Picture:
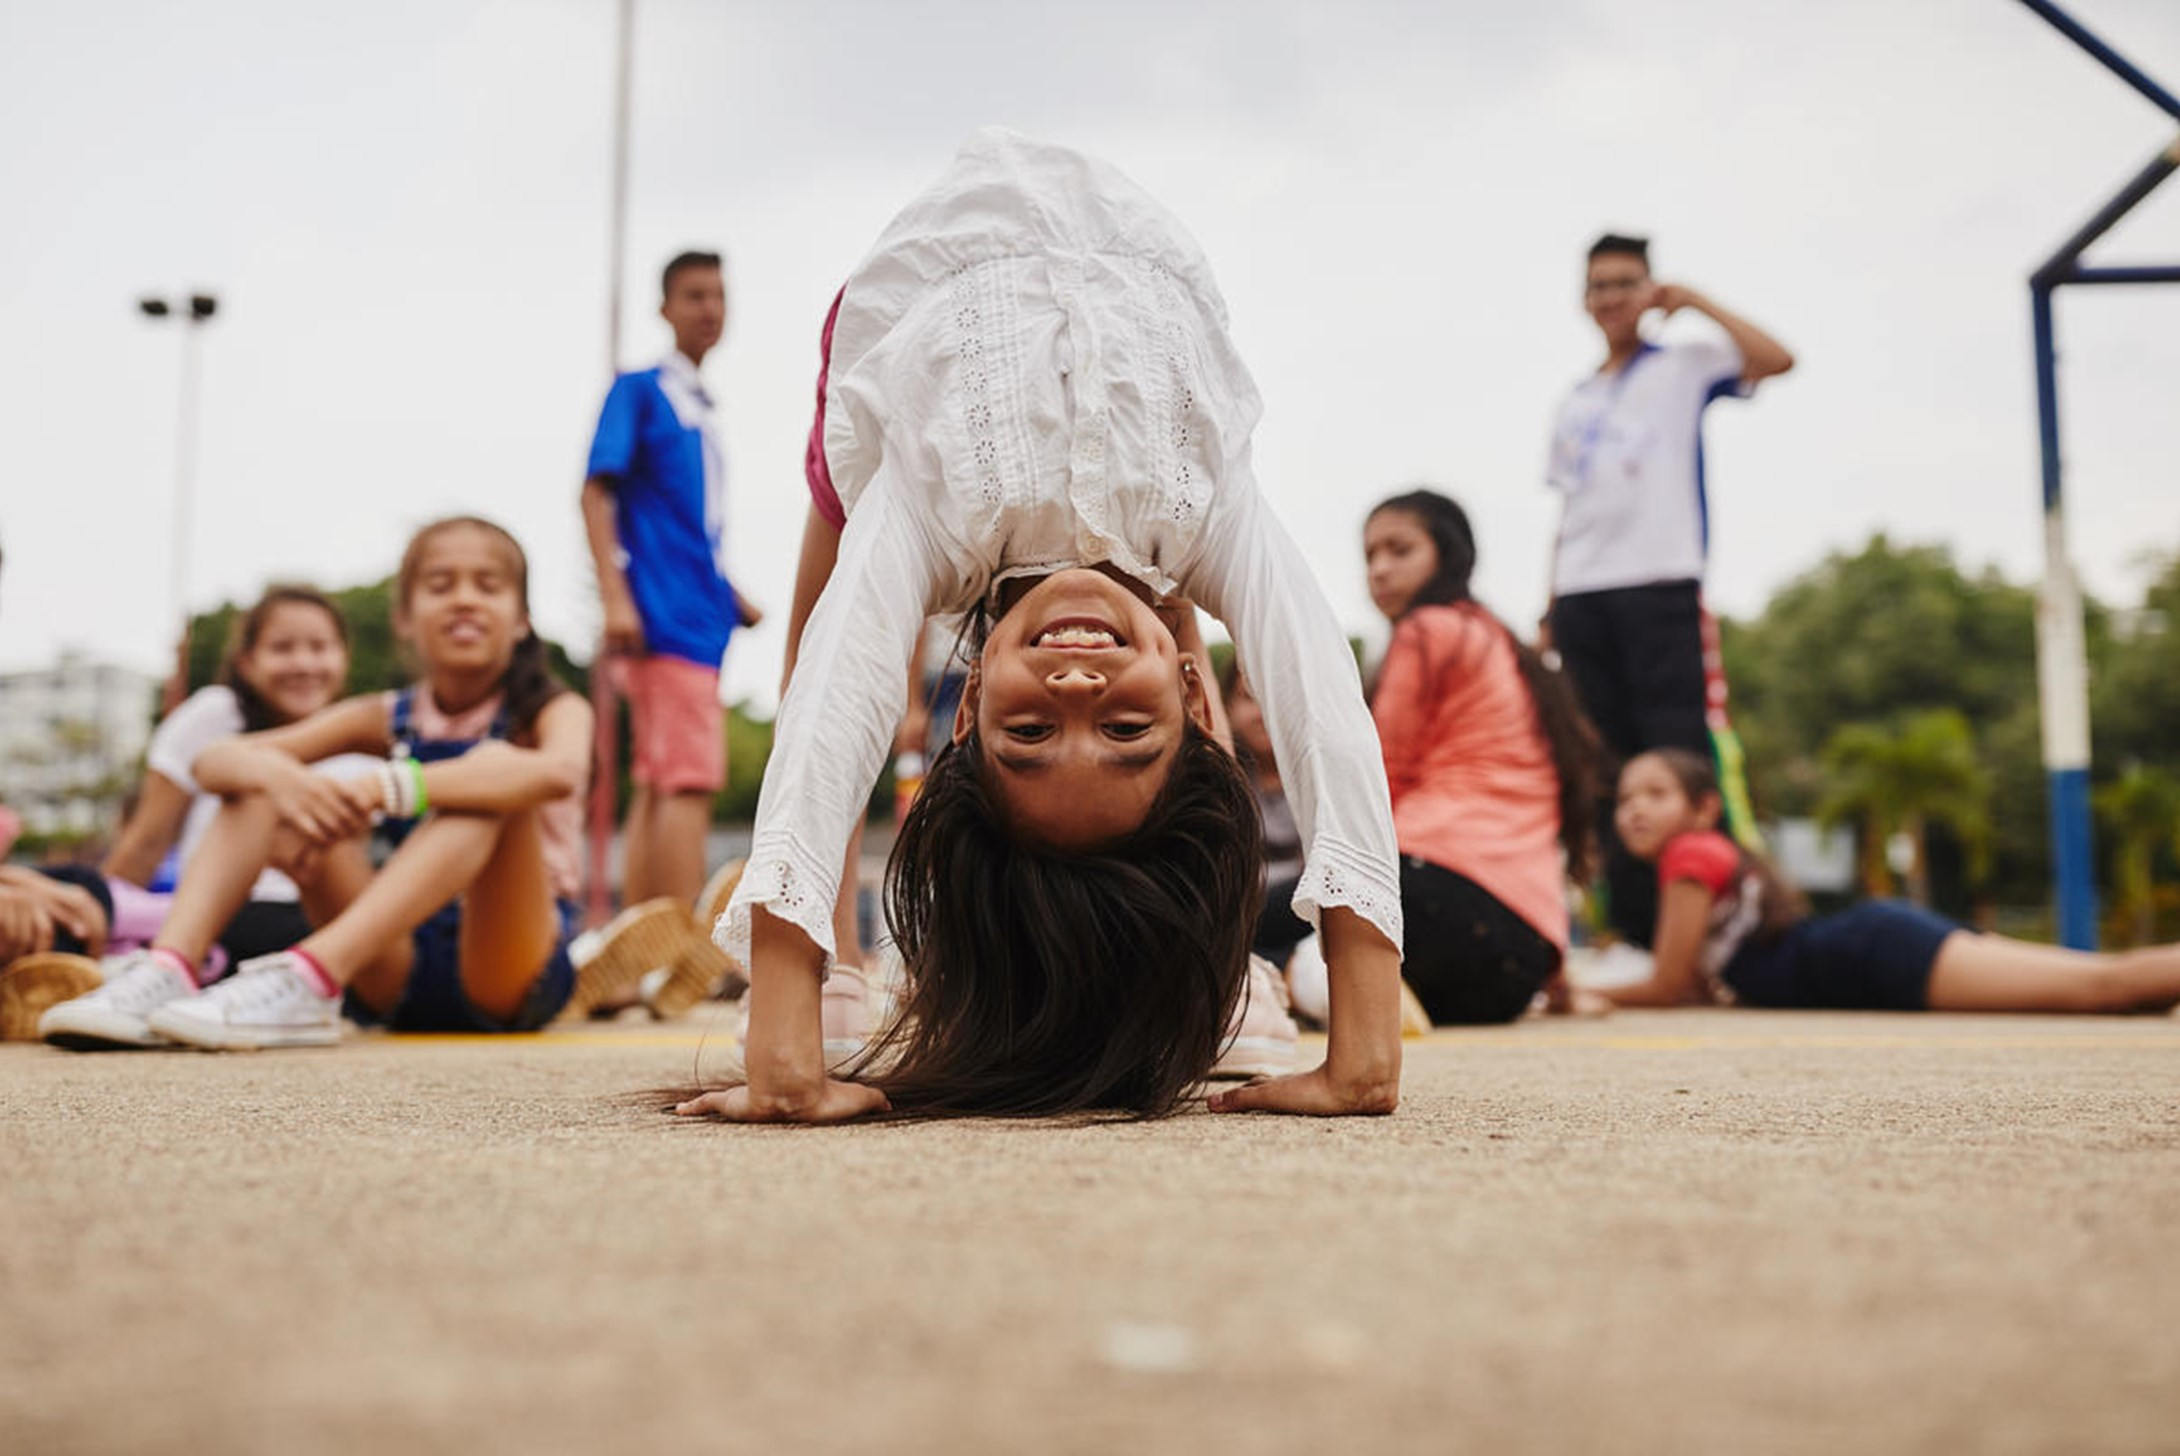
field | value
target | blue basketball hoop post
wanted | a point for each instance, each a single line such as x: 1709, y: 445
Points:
x: 2062, y: 667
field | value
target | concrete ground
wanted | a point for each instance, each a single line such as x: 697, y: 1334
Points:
x: 1696, y: 1231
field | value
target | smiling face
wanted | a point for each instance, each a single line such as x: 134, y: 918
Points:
x: 1080, y: 700
x: 1614, y: 294
x: 1401, y: 557
x: 1654, y: 807
x: 298, y: 660
x: 462, y: 601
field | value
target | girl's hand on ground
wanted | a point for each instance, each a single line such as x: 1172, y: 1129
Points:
x: 1309, y: 1094
x: 833, y: 1101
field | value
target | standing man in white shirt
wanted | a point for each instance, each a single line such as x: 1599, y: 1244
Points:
x: 1627, y: 612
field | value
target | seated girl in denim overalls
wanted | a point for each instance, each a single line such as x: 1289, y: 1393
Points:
x: 465, y: 927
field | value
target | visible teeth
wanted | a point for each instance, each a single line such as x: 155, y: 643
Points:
x: 1076, y: 637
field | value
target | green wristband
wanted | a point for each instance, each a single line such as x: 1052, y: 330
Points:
x: 416, y: 781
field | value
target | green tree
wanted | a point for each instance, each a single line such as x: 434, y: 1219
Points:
x: 2141, y: 811
x: 2135, y: 680
x: 1875, y: 636
x: 749, y: 745
x: 1887, y: 782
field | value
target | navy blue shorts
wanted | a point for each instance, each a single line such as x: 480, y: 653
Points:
x: 433, y: 998
x: 1875, y: 956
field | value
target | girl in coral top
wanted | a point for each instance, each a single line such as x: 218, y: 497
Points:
x: 1491, y: 766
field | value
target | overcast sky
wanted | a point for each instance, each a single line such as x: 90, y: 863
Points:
x: 403, y: 209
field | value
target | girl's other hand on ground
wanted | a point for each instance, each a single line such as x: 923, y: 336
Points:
x: 832, y: 1101
x: 1309, y: 1094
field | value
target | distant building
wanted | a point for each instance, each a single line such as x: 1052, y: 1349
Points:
x: 70, y: 740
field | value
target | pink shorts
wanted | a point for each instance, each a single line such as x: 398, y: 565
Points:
x: 677, y: 729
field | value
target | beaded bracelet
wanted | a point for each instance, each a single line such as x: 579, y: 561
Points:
x: 390, y: 788
x: 401, y: 788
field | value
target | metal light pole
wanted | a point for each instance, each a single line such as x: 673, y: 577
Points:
x: 605, y: 778
x: 193, y: 312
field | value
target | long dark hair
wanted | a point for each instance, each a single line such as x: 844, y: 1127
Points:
x: 1575, y: 747
x: 242, y: 640
x: 1042, y: 982
x: 1783, y: 904
x: 528, y: 683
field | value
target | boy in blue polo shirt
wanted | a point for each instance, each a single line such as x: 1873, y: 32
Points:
x: 654, y: 507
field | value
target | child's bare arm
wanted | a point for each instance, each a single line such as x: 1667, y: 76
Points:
x: 276, y: 761
x: 820, y: 553
x: 1361, y: 1074
x: 784, y: 1056
x: 150, y: 830
x: 1683, y: 911
x: 500, y: 778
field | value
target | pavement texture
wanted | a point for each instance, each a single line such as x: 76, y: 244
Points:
x: 1690, y: 1231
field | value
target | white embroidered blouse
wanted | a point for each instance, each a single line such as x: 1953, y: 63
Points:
x: 1031, y: 371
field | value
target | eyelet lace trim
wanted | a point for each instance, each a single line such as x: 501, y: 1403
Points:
x: 792, y: 884
x: 1339, y: 874
x: 1175, y: 433
x: 988, y: 347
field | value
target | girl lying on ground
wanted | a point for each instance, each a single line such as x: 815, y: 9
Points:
x: 287, y: 657
x: 1492, y: 767
x: 1730, y: 930
x: 1032, y: 413
x: 480, y: 779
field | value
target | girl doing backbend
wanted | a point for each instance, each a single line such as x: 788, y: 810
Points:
x: 1032, y: 412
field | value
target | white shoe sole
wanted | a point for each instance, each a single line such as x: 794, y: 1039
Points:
x: 218, y: 1036
x: 95, y: 1029
x: 1253, y: 1056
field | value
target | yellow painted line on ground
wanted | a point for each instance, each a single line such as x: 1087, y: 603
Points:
x: 563, y: 1038
x: 1494, y: 1037
x: 1973, y: 1042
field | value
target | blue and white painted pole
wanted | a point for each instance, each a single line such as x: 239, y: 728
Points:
x: 2062, y: 659
x: 2062, y: 669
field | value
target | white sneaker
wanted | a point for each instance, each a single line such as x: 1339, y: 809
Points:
x: 1618, y: 964
x: 844, y: 1013
x: 1261, y: 1041
x: 118, y: 1013
x: 270, y: 1002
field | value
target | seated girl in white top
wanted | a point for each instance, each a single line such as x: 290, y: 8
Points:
x: 287, y: 658
x: 1033, y: 413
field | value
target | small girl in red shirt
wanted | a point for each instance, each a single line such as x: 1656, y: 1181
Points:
x: 1731, y: 930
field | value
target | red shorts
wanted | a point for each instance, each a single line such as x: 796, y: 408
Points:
x: 677, y: 728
